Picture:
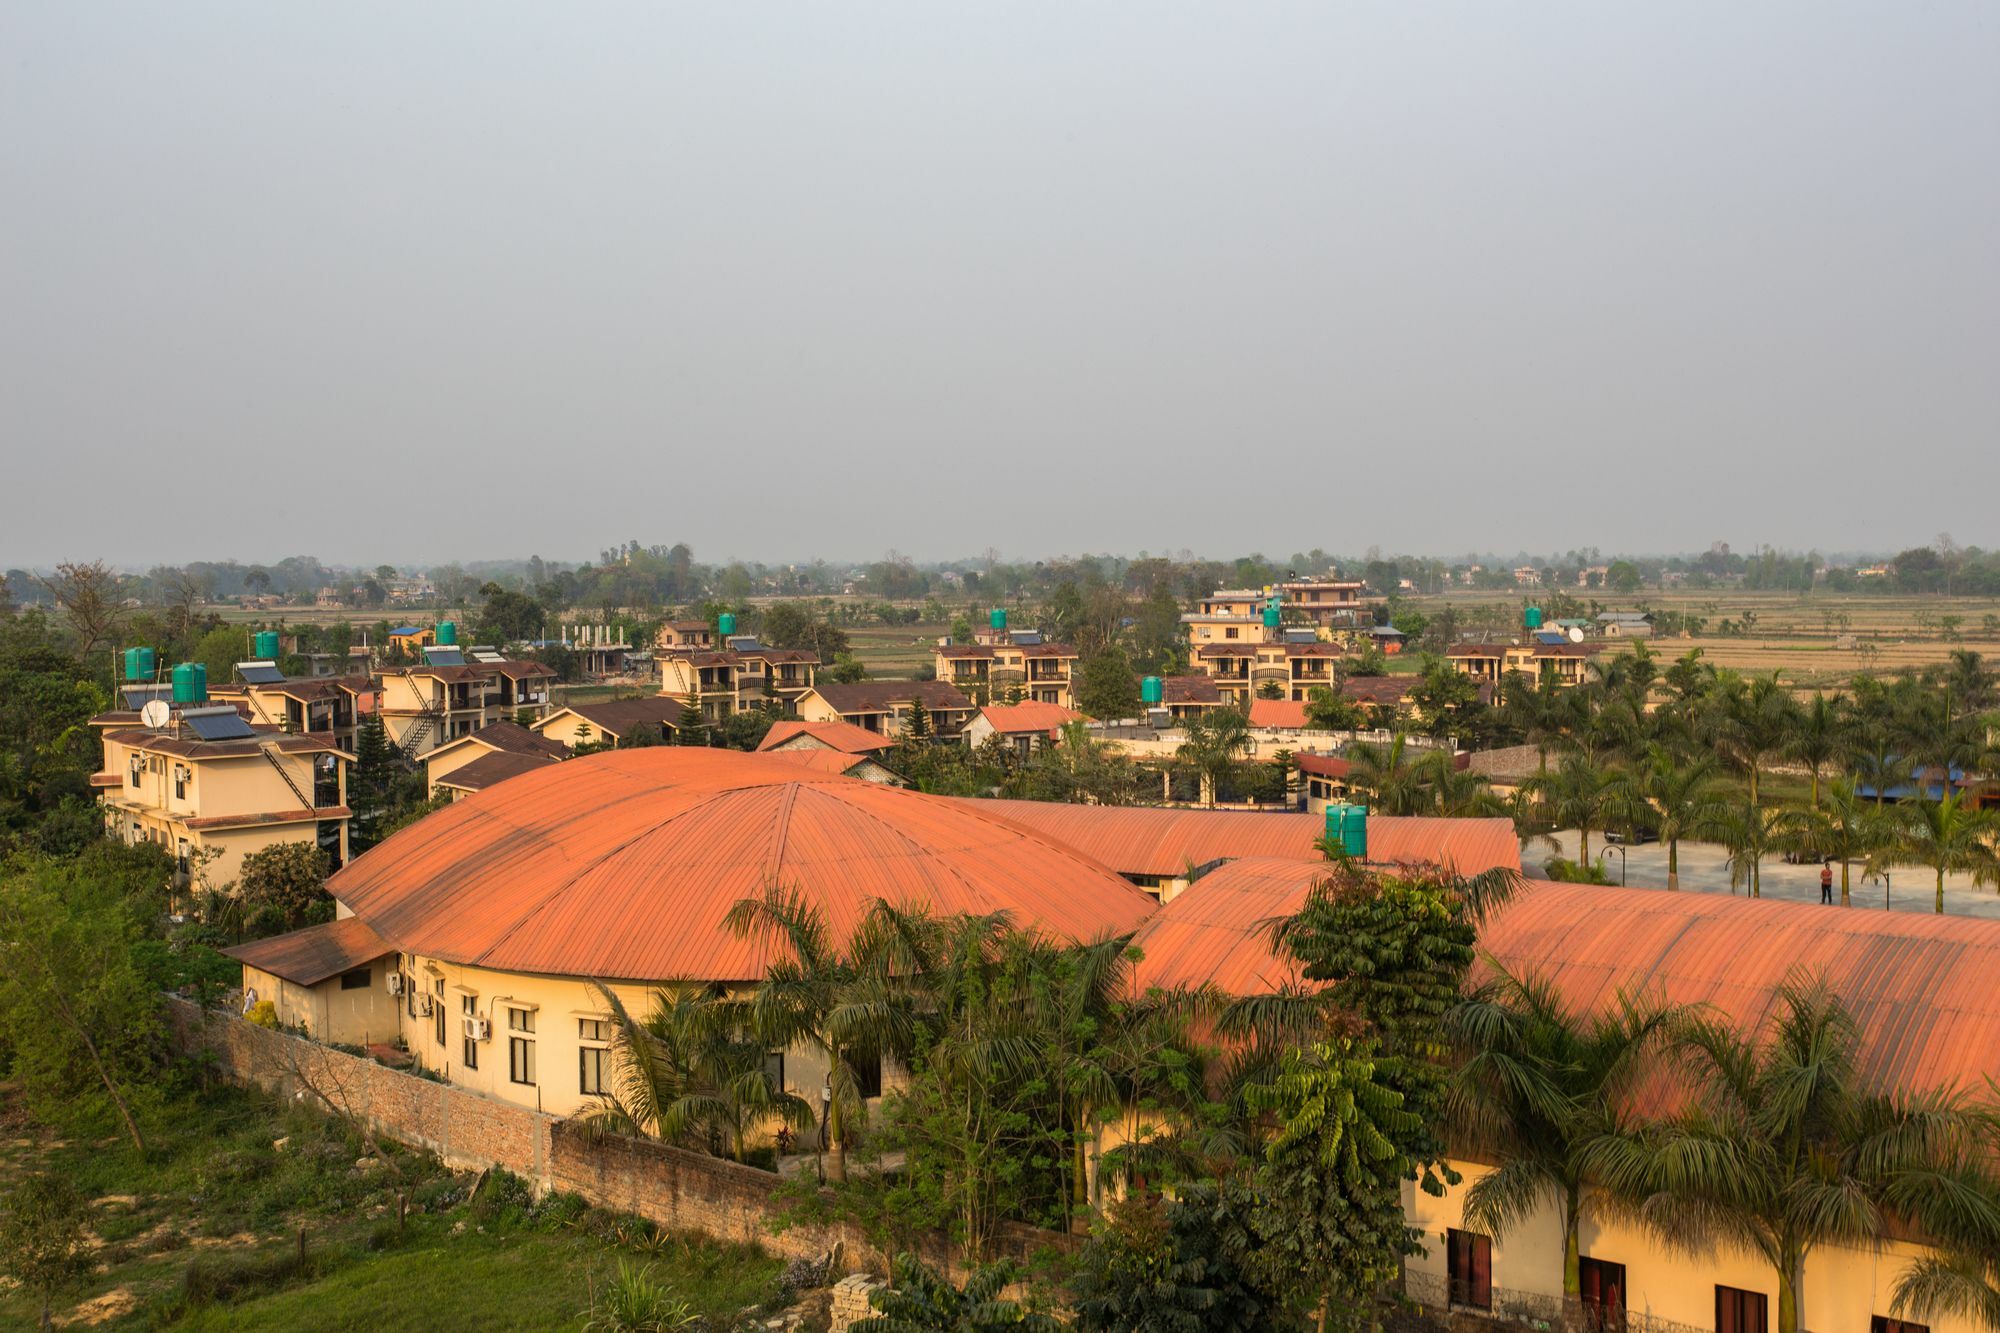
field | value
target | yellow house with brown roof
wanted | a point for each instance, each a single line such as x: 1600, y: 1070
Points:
x: 210, y: 789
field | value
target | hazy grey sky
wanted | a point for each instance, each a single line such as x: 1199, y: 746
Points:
x: 415, y: 281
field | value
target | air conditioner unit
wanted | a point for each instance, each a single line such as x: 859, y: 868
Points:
x: 424, y: 1005
x: 478, y: 1029
x: 395, y: 983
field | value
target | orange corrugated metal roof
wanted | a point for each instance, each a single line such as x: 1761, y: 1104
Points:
x: 1028, y: 718
x: 1141, y: 840
x: 623, y: 864
x: 823, y: 761
x: 310, y: 956
x: 1921, y: 987
x: 1282, y: 714
x: 1213, y: 931
x: 842, y: 736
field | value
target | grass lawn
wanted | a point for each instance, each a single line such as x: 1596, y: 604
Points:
x: 202, y: 1232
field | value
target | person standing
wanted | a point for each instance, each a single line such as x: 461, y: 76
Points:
x: 1826, y: 881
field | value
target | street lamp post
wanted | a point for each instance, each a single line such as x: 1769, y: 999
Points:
x: 1614, y: 847
x: 819, y: 1139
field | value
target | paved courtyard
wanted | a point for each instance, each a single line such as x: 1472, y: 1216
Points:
x: 1705, y: 869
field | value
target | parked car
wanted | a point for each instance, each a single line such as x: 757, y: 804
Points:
x: 1632, y: 837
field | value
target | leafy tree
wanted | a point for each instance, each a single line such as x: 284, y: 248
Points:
x: 79, y: 1012
x: 45, y: 1237
x: 746, y: 728
x: 1106, y: 686
x: 845, y: 670
x: 509, y: 616
x: 1184, y: 1266
x: 1331, y: 1178
x: 921, y: 1300
x: 286, y: 884
x: 1079, y: 768
x: 1783, y: 1148
x: 1329, y: 711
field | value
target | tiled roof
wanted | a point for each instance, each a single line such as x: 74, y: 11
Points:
x: 513, y: 738
x: 1028, y: 719
x: 971, y: 651
x: 1150, y: 840
x: 878, y: 696
x: 308, y: 957
x: 623, y: 864
x: 1279, y: 714
x: 1323, y: 765
x: 825, y: 761
x: 498, y: 766
x: 1190, y: 690
x: 842, y: 736
x: 520, y: 670
x: 621, y: 717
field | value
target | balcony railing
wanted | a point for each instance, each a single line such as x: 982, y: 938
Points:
x: 1532, y: 1310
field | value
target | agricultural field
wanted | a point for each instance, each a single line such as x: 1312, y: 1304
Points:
x: 1818, y: 641
x: 203, y: 1232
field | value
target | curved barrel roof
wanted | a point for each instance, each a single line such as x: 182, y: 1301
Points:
x: 623, y: 864
x: 1146, y: 840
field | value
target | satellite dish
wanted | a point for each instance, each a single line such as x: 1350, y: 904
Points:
x: 156, y: 714
x: 1576, y: 634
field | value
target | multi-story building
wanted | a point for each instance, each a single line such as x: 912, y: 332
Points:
x: 333, y: 704
x: 742, y: 674
x: 1022, y: 667
x: 1564, y: 663
x: 1241, y: 671
x: 210, y: 788
x: 426, y: 706
x: 684, y: 635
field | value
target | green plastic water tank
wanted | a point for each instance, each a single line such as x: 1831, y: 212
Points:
x: 725, y: 624
x: 264, y: 645
x: 1533, y: 619
x: 447, y: 633
x: 149, y: 662
x: 190, y: 683
x: 1152, y: 691
x: 1271, y: 614
x: 131, y: 664
x: 998, y: 620
x: 1347, y: 828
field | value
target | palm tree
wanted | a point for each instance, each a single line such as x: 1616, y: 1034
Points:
x: 1676, y: 800
x: 1817, y: 737
x: 816, y: 996
x: 1537, y: 710
x: 1879, y: 762
x: 1578, y: 794
x: 1390, y: 776
x: 1752, y: 721
x: 1943, y: 835
x: 1215, y: 742
x: 690, y: 1070
x: 1844, y: 828
x: 1781, y: 1149
x: 1538, y: 1086
x: 1751, y: 833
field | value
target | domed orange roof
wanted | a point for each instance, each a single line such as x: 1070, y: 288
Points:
x: 622, y: 865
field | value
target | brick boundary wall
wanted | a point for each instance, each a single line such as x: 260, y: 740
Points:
x: 678, y: 1189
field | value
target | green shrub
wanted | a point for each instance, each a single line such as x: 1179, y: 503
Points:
x: 633, y: 1302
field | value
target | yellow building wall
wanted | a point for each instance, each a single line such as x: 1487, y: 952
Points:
x: 557, y: 1003
x: 568, y: 728
x: 1843, y: 1287
x: 366, y: 1015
